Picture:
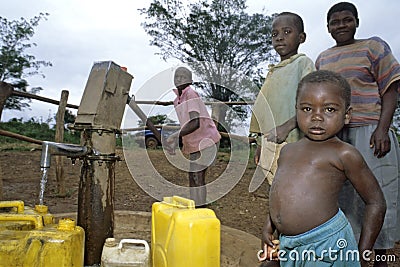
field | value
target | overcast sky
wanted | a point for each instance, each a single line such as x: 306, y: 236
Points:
x: 81, y: 32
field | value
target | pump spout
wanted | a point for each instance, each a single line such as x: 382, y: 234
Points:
x: 60, y: 149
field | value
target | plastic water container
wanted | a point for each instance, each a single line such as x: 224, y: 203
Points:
x: 14, y: 215
x: 29, y: 237
x: 126, y: 253
x: 183, y: 236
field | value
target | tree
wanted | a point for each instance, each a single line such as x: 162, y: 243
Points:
x: 228, y: 48
x: 158, y: 119
x: 69, y: 117
x: 15, y: 63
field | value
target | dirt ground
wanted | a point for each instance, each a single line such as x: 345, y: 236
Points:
x: 239, y: 209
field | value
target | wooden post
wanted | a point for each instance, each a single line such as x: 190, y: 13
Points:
x: 5, y: 91
x: 59, y: 138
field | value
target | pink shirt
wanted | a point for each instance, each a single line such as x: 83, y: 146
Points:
x: 207, y: 135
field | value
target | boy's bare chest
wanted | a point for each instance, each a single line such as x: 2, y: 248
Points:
x: 310, y: 164
x: 302, y: 156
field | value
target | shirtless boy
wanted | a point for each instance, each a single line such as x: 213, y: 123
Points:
x: 311, y: 172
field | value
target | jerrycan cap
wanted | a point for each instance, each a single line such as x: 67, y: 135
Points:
x: 41, y: 208
x: 110, y: 242
x: 66, y: 224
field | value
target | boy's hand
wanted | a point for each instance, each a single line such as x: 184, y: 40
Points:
x: 277, y: 135
x: 269, y: 243
x: 270, y: 252
x: 380, y: 142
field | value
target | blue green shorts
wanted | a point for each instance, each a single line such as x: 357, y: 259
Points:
x: 329, y: 244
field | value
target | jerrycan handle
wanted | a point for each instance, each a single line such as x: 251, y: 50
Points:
x: 19, y: 204
x: 37, y: 220
x: 180, y: 202
x: 135, y: 242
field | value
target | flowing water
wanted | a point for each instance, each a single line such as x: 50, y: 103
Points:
x: 43, y: 182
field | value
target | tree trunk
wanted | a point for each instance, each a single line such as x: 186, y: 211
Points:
x: 218, y: 114
x: 6, y: 90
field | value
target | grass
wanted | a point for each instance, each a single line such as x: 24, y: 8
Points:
x: 19, y: 146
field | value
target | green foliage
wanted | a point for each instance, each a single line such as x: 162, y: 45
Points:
x: 34, y: 129
x: 227, y: 48
x: 15, y: 63
x: 158, y: 119
x: 118, y: 140
x: 69, y: 117
x: 219, y: 32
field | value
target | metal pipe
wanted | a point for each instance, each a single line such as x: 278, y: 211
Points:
x: 132, y: 104
x: 60, y: 149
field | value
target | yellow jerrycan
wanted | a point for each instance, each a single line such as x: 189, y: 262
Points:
x: 30, y: 238
x: 16, y: 216
x: 182, y: 235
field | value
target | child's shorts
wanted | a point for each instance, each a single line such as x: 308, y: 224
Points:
x: 329, y: 244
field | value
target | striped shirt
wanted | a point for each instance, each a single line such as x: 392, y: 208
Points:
x: 370, y: 67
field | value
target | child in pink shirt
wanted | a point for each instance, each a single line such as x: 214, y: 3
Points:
x: 200, y: 137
